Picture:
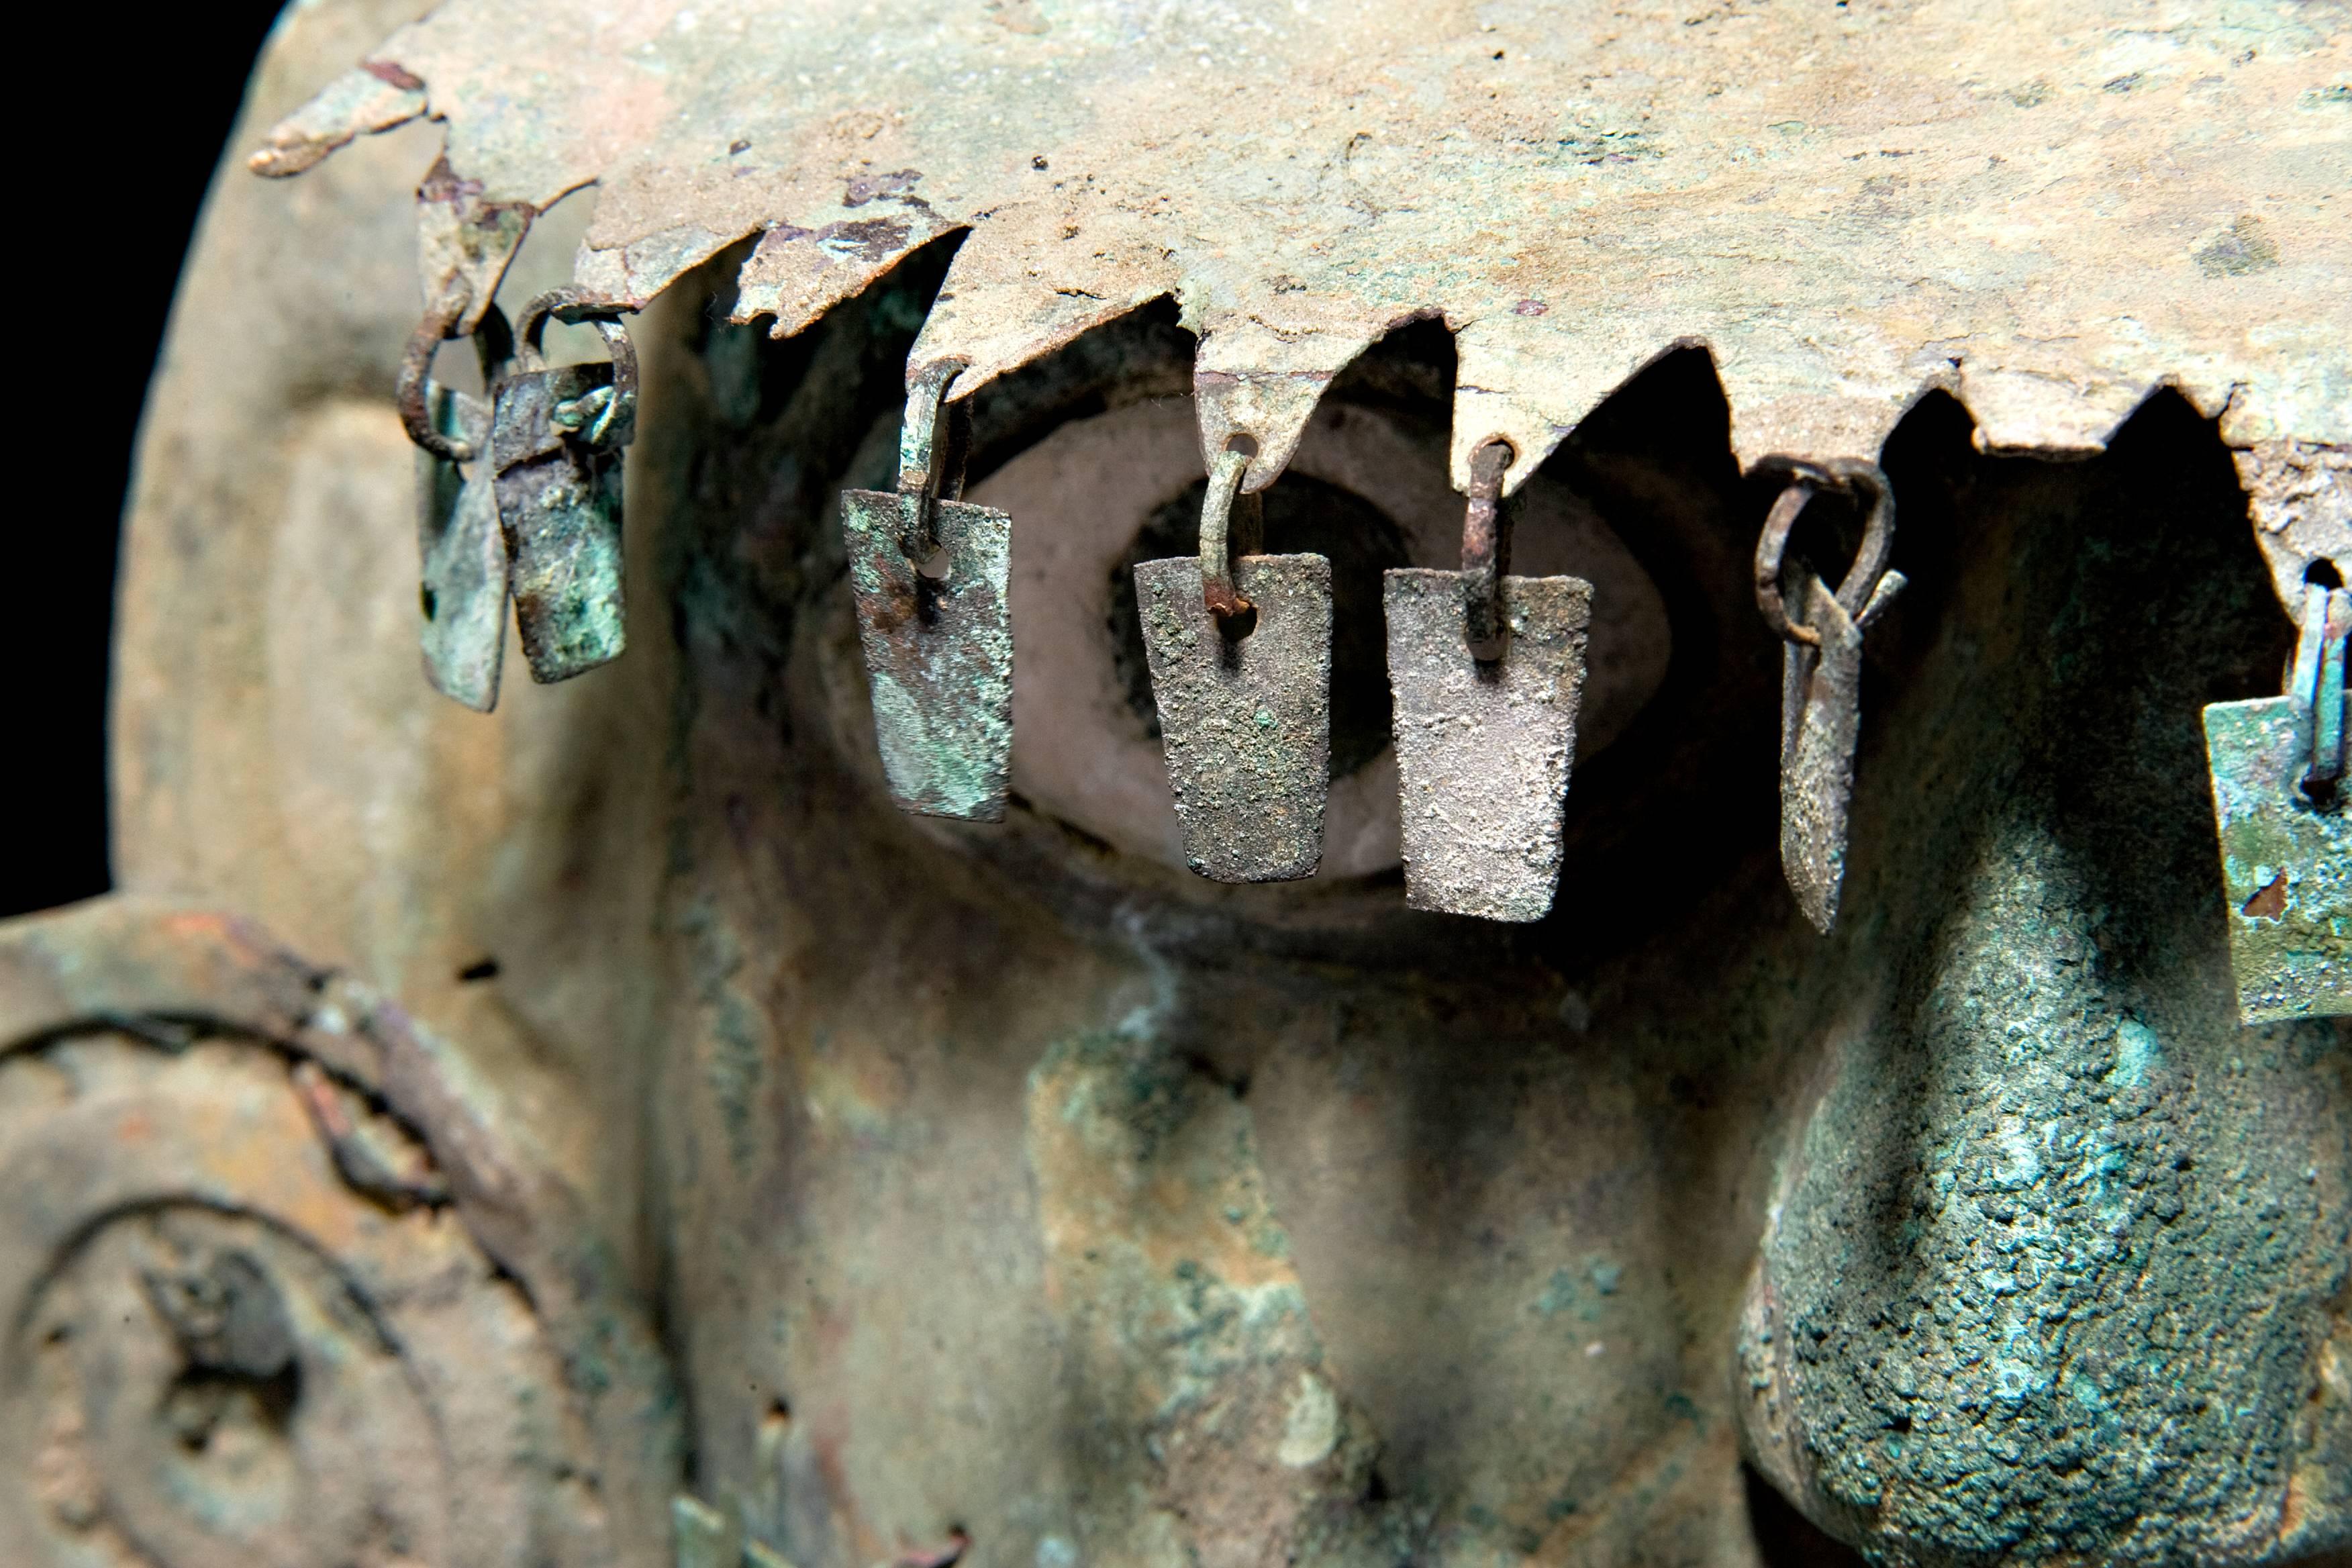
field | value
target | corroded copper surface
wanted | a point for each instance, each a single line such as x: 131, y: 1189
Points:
x: 2034, y: 206
x: 463, y: 592
x: 285, y: 1285
x: 938, y: 650
x: 1246, y: 720
x: 1483, y: 749
x: 2286, y: 840
x: 559, y: 504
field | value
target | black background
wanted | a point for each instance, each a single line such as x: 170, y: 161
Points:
x: 128, y: 195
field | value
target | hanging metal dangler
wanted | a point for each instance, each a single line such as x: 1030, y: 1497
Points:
x: 1820, y: 668
x: 462, y: 590
x: 1486, y: 671
x: 931, y: 574
x: 704, y: 1537
x: 1239, y: 646
x: 556, y: 436
x: 2286, y: 827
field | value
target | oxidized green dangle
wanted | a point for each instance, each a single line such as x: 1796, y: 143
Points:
x: 2286, y: 831
x: 929, y: 573
x: 1821, y: 668
x: 556, y: 437
x: 1240, y: 653
x: 462, y: 594
x: 1486, y: 670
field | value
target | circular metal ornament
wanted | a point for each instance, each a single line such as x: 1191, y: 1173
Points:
x: 276, y: 1291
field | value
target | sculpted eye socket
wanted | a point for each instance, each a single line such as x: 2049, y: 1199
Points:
x: 1368, y: 488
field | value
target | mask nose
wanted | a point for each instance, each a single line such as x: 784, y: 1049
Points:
x: 2058, y: 1260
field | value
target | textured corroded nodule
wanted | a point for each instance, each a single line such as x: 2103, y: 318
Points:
x: 2286, y: 867
x: 462, y: 595
x: 1246, y: 721
x: 559, y: 498
x: 939, y: 651
x: 1483, y: 749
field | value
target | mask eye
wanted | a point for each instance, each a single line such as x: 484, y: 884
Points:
x: 1368, y: 488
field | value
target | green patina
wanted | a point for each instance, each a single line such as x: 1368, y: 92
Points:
x: 2052, y: 1275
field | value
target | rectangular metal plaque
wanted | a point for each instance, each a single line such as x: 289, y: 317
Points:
x: 1484, y: 749
x: 559, y: 507
x: 462, y: 596
x: 2286, y: 866
x: 939, y: 651
x: 1246, y: 721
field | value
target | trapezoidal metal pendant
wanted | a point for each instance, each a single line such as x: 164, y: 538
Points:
x: 1820, y: 670
x: 462, y: 596
x: 1245, y: 721
x: 931, y: 577
x: 938, y: 650
x: 2285, y: 829
x: 1240, y: 654
x: 556, y: 437
x: 1484, y: 746
x: 1485, y: 671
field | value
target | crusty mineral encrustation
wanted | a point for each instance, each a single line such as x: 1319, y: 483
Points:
x: 2048, y: 209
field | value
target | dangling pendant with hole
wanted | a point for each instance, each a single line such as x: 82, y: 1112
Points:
x: 462, y: 594
x: 1486, y: 671
x: 930, y: 575
x: 2286, y: 829
x: 556, y: 436
x: 1240, y: 653
x: 1821, y: 670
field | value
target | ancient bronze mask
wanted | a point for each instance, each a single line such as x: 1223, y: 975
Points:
x: 1392, y: 784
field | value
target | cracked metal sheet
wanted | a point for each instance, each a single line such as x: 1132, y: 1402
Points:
x: 2302, y: 496
x: 2048, y: 208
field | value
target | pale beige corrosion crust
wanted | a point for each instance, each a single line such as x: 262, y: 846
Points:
x: 1484, y: 750
x: 2048, y: 209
